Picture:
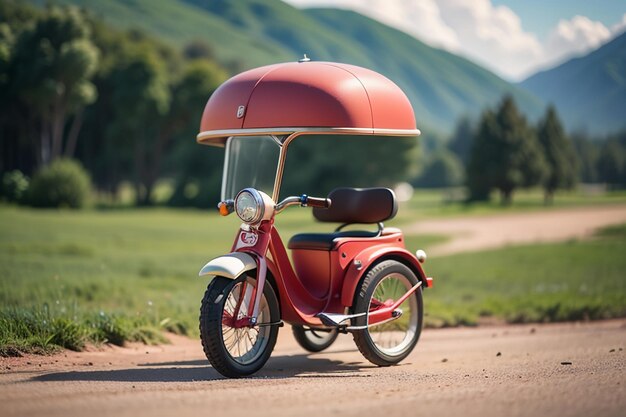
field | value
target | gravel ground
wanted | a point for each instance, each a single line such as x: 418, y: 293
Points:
x: 573, y: 369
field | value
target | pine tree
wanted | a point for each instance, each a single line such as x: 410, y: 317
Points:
x: 505, y: 154
x: 559, y: 154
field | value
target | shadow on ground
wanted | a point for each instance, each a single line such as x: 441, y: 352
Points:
x: 298, y: 366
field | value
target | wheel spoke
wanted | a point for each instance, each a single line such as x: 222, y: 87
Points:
x: 394, y: 335
x: 244, y: 344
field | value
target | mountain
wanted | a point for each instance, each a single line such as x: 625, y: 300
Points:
x: 441, y: 86
x: 589, y: 92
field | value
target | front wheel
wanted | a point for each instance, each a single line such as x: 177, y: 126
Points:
x: 388, y: 343
x: 314, y: 340
x: 233, y: 348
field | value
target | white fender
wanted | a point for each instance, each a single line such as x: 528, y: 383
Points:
x: 229, y: 266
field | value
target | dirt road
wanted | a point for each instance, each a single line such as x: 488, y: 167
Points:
x: 530, y: 370
x: 476, y: 233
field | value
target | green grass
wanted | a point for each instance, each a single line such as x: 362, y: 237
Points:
x: 577, y: 280
x: 69, y: 278
x: 449, y: 202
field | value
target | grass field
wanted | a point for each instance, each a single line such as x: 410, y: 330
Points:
x: 70, y: 278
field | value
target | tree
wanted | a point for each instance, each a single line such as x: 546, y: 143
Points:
x: 587, y: 154
x: 197, y: 169
x: 461, y: 141
x: 443, y: 169
x: 505, y: 154
x: 140, y: 99
x: 612, y: 163
x: 16, y: 119
x: 317, y: 164
x: 51, y: 70
x: 561, y: 160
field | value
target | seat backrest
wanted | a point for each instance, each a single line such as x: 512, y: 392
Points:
x: 359, y: 205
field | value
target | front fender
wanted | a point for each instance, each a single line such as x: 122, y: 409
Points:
x: 230, y: 266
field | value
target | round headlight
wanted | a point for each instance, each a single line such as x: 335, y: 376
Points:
x: 249, y: 205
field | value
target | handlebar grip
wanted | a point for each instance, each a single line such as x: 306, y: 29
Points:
x: 323, y: 203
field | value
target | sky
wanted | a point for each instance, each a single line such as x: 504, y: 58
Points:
x: 512, y: 38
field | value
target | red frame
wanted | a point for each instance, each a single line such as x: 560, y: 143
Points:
x: 297, y: 303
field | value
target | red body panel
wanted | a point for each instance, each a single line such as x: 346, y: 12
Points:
x: 327, y: 280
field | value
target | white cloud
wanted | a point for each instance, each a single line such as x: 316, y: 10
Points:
x: 420, y: 19
x: 619, y: 27
x: 492, y: 36
x: 575, y: 36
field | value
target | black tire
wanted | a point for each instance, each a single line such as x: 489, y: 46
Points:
x: 220, y: 341
x: 314, y: 340
x: 398, y: 279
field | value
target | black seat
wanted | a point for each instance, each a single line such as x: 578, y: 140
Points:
x: 349, y: 206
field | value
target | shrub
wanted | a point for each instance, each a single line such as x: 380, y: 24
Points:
x: 14, y: 186
x: 62, y: 183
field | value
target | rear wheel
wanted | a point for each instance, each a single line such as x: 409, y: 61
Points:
x: 388, y: 343
x: 314, y: 340
x: 237, y: 350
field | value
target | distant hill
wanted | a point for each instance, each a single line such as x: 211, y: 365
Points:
x: 441, y: 86
x: 589, y: 92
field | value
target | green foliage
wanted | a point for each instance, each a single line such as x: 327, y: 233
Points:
x: 612, y: 163
x: 505, y: 154
x: 443, y: 169
x: 461, y: 141
x: 561, y: 160
x: 51, y: 69
x: 62, y: 183
x: 14, y: 186
x: 587, y: 154
x: 317, y: 164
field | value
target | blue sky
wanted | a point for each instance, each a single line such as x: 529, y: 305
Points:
x: 539, y: 16
x: 512, y: 38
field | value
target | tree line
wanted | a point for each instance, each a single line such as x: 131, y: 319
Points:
x: 127, y: 106
x: 502, y: 151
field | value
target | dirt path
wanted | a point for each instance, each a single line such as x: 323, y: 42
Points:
x: 487, y: 371
x: 486, y: 232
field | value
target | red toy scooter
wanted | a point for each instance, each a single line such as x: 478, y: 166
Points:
x: 361, y: 282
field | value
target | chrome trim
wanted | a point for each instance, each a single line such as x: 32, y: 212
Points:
x: 210, y: 134
x: 289, y: 201
x: 335, y: 320
x: 352, y: 328
x: 258, y: 198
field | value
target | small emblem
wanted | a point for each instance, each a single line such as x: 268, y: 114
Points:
x: 241, y: 110
x: 248, y: 238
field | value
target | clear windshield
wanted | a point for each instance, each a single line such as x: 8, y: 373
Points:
x: 251, y: 161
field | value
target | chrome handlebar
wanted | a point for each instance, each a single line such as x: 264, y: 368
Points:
x: 304, y: 201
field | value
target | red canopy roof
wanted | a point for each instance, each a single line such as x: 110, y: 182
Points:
x: 299, y: 96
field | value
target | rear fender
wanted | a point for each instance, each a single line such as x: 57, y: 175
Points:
x: 230, y: 266
x: 368, y: 258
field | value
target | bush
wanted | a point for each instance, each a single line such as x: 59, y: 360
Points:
x: 14, y: 186
x: 444, y: 169
x: 62, y: 183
